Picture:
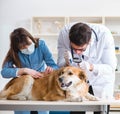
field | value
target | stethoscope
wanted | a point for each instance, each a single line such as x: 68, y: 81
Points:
x: 81, y: 57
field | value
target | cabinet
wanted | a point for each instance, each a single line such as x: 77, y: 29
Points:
x: 113, y: 23
x: 48, y: 29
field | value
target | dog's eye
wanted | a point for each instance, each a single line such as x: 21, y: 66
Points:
x: 70, y: 73
x: 62, y: 72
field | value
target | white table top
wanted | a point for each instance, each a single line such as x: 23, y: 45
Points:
x: 56, y: 105
x: 101, y: 102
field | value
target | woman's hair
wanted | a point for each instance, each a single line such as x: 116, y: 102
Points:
x: 80, y: 34
x: 19, y: 37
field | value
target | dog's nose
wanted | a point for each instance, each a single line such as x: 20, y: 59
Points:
x: 60, y: 79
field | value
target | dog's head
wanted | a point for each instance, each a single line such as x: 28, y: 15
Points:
x: 70, y: 77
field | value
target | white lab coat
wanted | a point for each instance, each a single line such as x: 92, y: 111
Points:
x: 100, y: 53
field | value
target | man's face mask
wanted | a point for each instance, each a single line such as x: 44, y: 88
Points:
x: 28, y: 50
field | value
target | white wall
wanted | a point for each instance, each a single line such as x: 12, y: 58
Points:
x: 15, y: 13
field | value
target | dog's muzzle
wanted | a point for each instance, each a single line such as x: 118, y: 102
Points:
x: 61, y: 80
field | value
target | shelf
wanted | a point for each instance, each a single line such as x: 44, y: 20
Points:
x: 113, y: 23
x: 117, y: 53
x: 98, y: 20
x: 117, y: 72
x: 117, y: 35
x: 47, y: 25
x: 40, y: 35
x: 114, y: 107
x: 117, y: 90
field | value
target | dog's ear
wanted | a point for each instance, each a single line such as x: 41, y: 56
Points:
x: 82, y: 75
x: 59, y: 71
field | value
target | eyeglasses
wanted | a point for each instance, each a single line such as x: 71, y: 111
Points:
x: 81, y: 50
x: 78, y: 49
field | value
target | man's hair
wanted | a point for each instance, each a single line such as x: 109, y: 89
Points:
x: 80, y: 34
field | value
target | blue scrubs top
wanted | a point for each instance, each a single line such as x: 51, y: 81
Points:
x: 37, y: 61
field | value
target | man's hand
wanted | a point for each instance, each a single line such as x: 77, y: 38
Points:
x: 86, y: 66
x: 68, y: 57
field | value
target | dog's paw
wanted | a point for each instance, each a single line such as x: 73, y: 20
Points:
x: 92, y: 97
x: 95, y: 98
x: 80, y: 99
x: 18, y: 97
x: 22, y: 98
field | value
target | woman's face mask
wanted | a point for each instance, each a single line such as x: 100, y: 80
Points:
x: 29, y: 50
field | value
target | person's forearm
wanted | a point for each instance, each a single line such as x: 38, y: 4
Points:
x: 21, y: 71
x: 103, y: 69
x: 9, y: 72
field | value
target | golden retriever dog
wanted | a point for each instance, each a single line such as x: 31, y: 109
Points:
x: 67, y: 83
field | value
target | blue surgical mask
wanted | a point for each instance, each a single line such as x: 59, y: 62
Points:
x: 28, y: 50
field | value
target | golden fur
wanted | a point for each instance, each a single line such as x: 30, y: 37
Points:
x: 67, y: 83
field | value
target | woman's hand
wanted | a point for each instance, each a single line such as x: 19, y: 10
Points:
x: 48, y: 70
x: 33, y: 73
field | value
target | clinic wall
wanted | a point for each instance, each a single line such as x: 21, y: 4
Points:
x: 17, y: 13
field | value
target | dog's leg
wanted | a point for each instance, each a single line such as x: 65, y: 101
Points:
x: 4, y: 94
x: 80, y: 99
x: 16, y: 93
x: 25, y: 93
x: 53, y: 97
x: 17, y: 97
x: 91, y: 97
x: 74, y: 98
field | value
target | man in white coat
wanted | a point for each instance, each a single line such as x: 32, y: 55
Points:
x: 90, y: 47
